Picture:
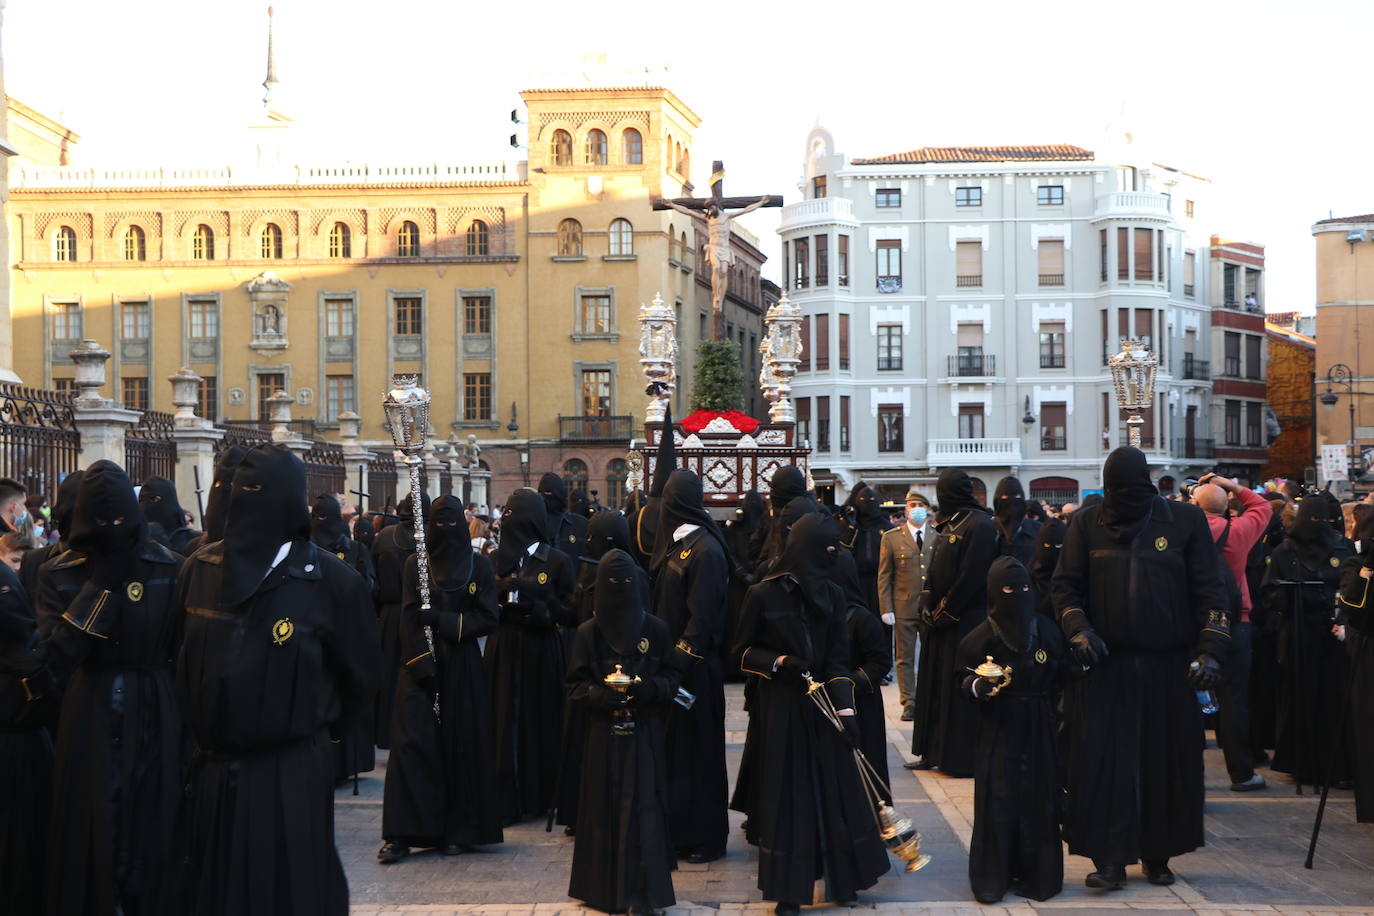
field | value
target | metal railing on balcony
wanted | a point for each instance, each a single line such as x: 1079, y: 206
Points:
x: 1051, y: 279
x: 1147, y: 436
x: 1187, y: 289
x: 966, y: 280
x: 889, y: 284
x: 1051, y: 360
x: 1196, y: 368
x: 588, y: 429
x: 1205, y: 449
x: 973, y: 365
x: 1054, y: 443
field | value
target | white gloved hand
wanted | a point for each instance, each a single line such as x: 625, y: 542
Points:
x: 889, y: 618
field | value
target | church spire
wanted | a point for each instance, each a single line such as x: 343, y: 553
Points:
x: 270, y: 83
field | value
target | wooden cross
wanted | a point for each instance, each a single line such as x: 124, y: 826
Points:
x: 718, y: 253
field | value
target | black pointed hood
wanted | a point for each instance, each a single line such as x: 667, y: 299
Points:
x: 405, y: 510
x: 363, y: 532
x: 327, y: 527
x: 787, y: 484
x: 621, y: 601
x: 682, y: 503
x: 555, y: 493
x: 868, y: 512
x: 217, y: 501
x: 266, y: 509
x: 750, y: 512
x: 1311, y: 531
x: 157, y: 497
x: 1012, y: 613
x: 606, y: 531
x: 1128, y: 493
x: 65, y: 506
x: 450, y: 548
x: 524, y: 520
x: 809, y: 559
x: 1009, y: 505
x: 665, y: 462
x: 954, y: 493
x: 107, y: 517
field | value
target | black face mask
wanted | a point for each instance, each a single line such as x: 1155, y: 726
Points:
x: 405, y: 510
x: 750, y: 512
x: 450, y: 548
x: 327, y: 527
x: 523, y: 521
x: 787, y: 484
x: 363, y: 532
x: 65, y: 506
x: 1311, y: 533
x: 217, y: 502
x: 1009, y: 503
x: 554, y: 492
x: 682, y: 504
x: 1011, y: 603
x: 865, y: 504
x: 266, y: 510
x: 158, y: 500
x: 1129, y: 492
x: 954, y: 493
x: 809, y: 559
x: 107, y: 519
x: 621, y: 601
x: 605, y: 532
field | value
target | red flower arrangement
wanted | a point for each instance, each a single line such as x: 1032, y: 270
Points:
x: 699, y: 420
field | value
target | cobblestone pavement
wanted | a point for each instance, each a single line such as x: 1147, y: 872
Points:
x: 1252, y: 862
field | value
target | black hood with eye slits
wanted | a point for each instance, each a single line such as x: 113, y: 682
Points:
x: 107, y: 516
x: 266, y: 509
x: 621, y: 601
x: 1012, y: 615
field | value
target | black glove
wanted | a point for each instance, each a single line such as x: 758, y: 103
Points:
x: 794, y: 665
x: 537, y: 615
x: 603, y: 697
x: 645, y: 693
x: 1205, y: 672
x: 925, y: 610
x: 1087, y: 647
x: 508, y: 583
x: 979, y: 687
x: 852, y: 735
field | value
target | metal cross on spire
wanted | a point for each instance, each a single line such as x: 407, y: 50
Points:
x: 270, y: 83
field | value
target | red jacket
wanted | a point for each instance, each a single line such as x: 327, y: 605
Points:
x: 1246, y: 530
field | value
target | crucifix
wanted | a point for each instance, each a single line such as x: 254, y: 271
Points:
x: 718, y: 254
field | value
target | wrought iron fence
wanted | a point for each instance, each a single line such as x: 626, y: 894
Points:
x: 381, y: 480
x: 240, y: 434
x: 445, y: 479
x: 39, y: 441
x: 149, y: 449
x: 324, y: 469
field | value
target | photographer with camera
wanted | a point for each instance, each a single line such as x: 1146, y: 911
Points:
x: 1235, y: 537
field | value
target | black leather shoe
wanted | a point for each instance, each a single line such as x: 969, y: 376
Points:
x: 570, y: 830
x: 702, y: 856
x: 392, y: 852
x: 454, y: 849
x: 1107, y: 878
x: 908, y: 715
x: 918, y: 764
x: 787, y: 909
x: 1158, y: 873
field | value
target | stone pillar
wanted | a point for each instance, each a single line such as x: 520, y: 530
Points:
x: 196, y: 439
x: 357, y: 460
x: 282, y: 433
x: 481, y: 487
x: 433, y: 468
x: 101, y: 422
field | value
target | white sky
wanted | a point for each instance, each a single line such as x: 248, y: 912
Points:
x: 1271, y: 100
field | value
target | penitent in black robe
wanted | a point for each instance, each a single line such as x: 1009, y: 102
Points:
x: 870, y: 659
x: 525, y: 667
x: 1154, y: 596
x: 28, y: 701
x: 1016, y: 796
x: 811, y: 816
x: 1356, y: 606
x: 264, y: 685
x: 390, y: 550
x: 356, y: 753
x: 441, y: 783
x: 623, y: 853
x: 116, y: 783
x: 946, y: 719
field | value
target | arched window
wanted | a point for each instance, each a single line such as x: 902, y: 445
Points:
x: 622, y: 237
x: 135, y: 244
x: 408, y: 240
x: 631, y: 147
x: 683, y: 259
x: 64, y: 244
x: 570, y: 238
x: 269, y: 242
x: 596, y: 147
x: 561, y: 148
x: 685, y: 163
x: 616, y: 473
x: 575, y: 475
x: 341, y: 241
x: 203, y: 244
x: 677, y: 158
x: 478, y: 239
x: 1055, y: 490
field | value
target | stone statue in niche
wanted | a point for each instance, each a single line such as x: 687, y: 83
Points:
x: 270, y: 321
x: 268, y: 294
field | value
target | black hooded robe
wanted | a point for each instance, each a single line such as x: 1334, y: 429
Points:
x: 1016, y: 533
x: 812, y: 817
x: 691, y: 585
x: 945, y: 718
x: 1016, y: 796
x: 1356, y: 606
x: 1143, y: 573
x: 1313, y: 662
x: 864, y: 540
x: 623, y: 855
x: 441, y: 783
x: 157, y: 497
x: 217, y: 500
x: 27, y: 703
x: 870, y: 659
x: 32, y: 560
x: 268, y: 672
x: 116, y: 782
x: 392, y: 547
x: 524, y: 658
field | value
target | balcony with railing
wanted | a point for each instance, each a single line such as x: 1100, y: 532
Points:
x: 1132, y: 205
x: 235, y: 176
x: 1203, y: 449
x: 972, y: 452
x: 1052, y: 361
x: 596, y: 429
x: 968, y: 280
x: 1051, y: 279
x: 1200, y: 369
x: 818, y: 212
x: 972, y: 365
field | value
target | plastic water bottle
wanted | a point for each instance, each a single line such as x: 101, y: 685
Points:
x: 1207, y: 700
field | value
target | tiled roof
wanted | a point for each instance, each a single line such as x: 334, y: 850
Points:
x: 1053, y: 152
x: 1364, y: 218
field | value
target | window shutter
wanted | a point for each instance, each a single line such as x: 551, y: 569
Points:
x: 1051, y: 256
x: 968, y: 259
x: 970, y: 335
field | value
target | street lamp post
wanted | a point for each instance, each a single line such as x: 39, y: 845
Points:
x: 1340, y: 374
x: 1133, y: 374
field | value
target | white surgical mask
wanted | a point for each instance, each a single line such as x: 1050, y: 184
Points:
x: 916, y: 515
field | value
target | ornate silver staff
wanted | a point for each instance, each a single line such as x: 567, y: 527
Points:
x: 407, y: 413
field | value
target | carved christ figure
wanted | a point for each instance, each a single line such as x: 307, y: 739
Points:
x: 719, y: 255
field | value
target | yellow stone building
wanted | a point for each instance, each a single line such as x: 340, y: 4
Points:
x: 1345, y: 334
x: 513, y: 289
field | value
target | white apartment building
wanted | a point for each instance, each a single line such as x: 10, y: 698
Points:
x: 959, y: 305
